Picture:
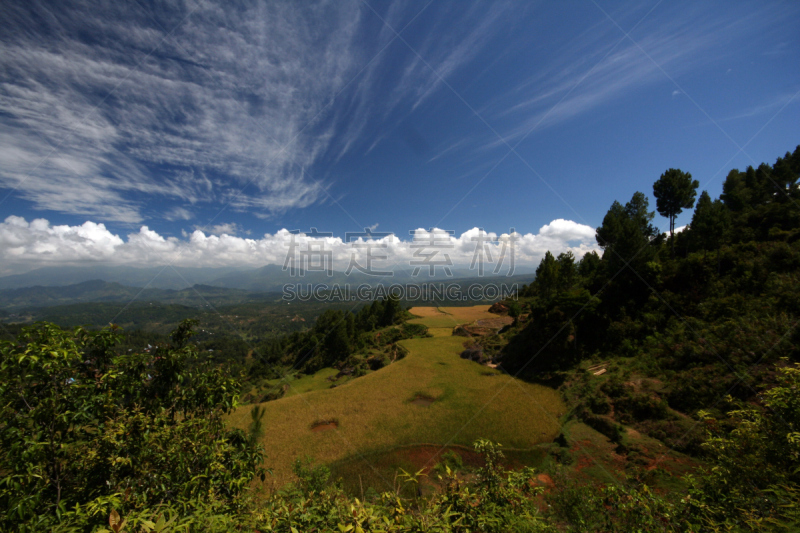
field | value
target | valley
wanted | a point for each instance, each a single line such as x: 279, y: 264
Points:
x: 379, y: 413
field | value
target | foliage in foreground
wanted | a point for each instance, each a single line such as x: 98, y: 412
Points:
x: 85, y: 430
x: 137, y: 442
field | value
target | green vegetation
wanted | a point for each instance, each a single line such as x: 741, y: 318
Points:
x: 86, y: 430
x: 677, y: 408
x: 352, y: 344
x: 674, y: 191
x: 648, y: 341
x: 377, y: 413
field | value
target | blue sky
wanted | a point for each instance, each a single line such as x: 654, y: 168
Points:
x: 246, y: 118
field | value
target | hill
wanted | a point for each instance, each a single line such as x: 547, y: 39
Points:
x: 430, y: 397
x: 159, y: 277
x: 671, y: 355
x: 104, y: 292
x: 268, y: 278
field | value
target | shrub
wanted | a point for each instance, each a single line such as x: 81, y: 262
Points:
x: 85, y: 429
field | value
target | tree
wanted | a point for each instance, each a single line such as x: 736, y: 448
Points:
x: 626, y: 234
x: 735, y: 194
x: 589, y: 269
x: 709, y: 223
x: 392, y: 310
x: 82, y: 426
x: 755, y: 479
x: 547, y: 274
x: 567, y: 270
x: 674, y: 191
x: 630, y: 243
x: 337, y: 344
x: 331, y: 328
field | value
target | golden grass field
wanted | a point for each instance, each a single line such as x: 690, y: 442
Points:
x: 448, y: 317
x: 375, y: 412
x: 425, y: 312
x: 440, y: 332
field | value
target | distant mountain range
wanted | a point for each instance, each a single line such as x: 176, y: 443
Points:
x: 161, y: 277
x: 53, y: 286
x: 103, y: 291
x: 265, y: 279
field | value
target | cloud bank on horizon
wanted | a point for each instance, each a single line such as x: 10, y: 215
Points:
x: 25, y: 245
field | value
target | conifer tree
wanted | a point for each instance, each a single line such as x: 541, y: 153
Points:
x: 674, y: 191
x: 547, y: 274
x: 709, y: 223
x: 626, y: 233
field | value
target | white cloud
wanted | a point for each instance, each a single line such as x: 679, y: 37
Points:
x: 38, y: 243
x: 25, y: 245
x: 228, y: 228
x: 178, y: 213
x: 232, y: 96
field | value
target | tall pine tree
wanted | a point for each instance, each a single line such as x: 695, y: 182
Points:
x: 675, y: 191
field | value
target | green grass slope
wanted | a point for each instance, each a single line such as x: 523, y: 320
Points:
x: 377, y: 413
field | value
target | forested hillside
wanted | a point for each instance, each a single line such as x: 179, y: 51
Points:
x: 683, y: 337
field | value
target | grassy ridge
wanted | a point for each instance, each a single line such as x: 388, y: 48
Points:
x: 376, y: 412
x: 448, y: 317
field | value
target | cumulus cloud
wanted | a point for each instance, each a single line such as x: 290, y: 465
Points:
x: 25, y: 245
x: 38, y: 243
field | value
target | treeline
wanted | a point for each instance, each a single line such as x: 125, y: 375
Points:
x: 335, y: 336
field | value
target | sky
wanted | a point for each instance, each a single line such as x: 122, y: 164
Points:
x: 202, y: 132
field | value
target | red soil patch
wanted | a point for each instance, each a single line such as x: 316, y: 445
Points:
x: 545, y: 479
x: 324, y: 425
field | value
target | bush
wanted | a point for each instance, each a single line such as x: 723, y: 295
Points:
x: 598, y: 403
x: 605, y: 425
x: 310, y: 479
x: 85, y: 429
